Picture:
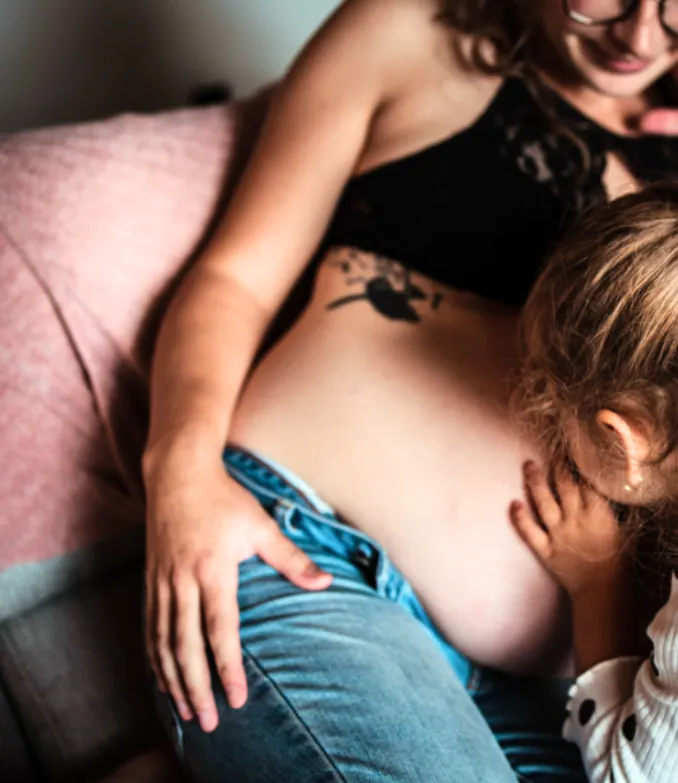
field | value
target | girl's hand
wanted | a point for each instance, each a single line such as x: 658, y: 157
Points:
x: 579, y: 539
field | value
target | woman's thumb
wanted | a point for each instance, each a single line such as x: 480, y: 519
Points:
x: 282, y: 554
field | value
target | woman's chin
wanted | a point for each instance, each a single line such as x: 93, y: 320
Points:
x: 618, y: 79
x: 618, y: 85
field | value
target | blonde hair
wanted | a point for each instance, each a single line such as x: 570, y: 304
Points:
x: 600, y: 328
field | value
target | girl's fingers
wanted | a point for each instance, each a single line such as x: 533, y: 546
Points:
x: 545, y: 503
x: 532, y: 533
x: 569, y: 492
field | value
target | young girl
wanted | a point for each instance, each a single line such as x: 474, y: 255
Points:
x: 601, y: 378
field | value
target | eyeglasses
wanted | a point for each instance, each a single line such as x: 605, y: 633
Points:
x: 602, y: 12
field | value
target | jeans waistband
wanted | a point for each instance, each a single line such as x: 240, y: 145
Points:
x: 294, y: 504
x: 275, y: 486
x: 277, y: 478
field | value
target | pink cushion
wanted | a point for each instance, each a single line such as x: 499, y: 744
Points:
x: 96, y: 222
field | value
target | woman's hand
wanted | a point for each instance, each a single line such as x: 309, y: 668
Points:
x: 663, y: 121
x: 201, y: 526
x: 579, y: 539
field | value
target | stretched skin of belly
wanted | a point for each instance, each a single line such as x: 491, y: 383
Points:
x: 389, y: 397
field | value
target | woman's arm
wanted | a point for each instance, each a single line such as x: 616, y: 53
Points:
x: 313, y: 136
x: 199, y: 525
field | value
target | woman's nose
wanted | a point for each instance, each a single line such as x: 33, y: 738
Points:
x: 642, y: 34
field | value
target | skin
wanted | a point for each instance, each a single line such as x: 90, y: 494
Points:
x: 379, y: 82
x: 588, y: 56
x: 633, y: 482
x: 573, y: 532
x: 575, y: 535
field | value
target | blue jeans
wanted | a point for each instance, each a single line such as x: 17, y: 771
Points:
x: 355, y: 684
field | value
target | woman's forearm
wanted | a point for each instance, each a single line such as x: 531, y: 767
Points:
x: 205, y: 348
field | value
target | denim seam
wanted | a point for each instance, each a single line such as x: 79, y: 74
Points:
x: 323, y: 753
x: 297, y: 490
x: 331, y: 521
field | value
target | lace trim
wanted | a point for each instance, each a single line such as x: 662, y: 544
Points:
x: 545, y: 152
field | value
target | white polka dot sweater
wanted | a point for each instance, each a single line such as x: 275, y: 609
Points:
x: 623, y: 713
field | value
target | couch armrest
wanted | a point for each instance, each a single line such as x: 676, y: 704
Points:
x: 97, y: 224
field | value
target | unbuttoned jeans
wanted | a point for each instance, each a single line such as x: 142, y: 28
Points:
x: 354, y: 683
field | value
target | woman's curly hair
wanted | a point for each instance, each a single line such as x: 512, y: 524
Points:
x: 507, y: 25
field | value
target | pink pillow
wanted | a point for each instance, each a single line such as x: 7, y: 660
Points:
x: 96, y: 222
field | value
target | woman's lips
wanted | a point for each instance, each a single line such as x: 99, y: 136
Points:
x: 626, y: 66
x: 615, y: 64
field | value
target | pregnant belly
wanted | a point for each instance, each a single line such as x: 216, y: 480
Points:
x: 395, y: 410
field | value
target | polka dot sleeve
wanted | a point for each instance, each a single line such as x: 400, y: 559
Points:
x: 623, y: 713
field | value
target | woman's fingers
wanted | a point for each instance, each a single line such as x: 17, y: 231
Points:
x: 190, y: 650
x: 177, y: 646
x: 545, y: 503
x: 532, y: 533
x: 662, y: 122
x: 150, y: 629
x: 163, y: 648
x: 222, y: 621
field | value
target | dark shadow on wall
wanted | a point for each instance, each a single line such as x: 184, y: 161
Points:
x: 72, y: 60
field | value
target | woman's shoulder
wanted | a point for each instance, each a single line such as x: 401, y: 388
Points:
x: 404, y: 38
x: 412, y: 15
x: 395, y: 70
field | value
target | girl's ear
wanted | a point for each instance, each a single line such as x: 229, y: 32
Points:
x: 634, y: 441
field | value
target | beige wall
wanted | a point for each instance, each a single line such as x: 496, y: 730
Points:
x: 65, y: 60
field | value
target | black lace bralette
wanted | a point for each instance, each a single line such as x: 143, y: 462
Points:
x: 481, y: 210
x: 540, y: 131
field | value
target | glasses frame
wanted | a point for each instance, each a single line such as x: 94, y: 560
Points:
x: 633, y: 7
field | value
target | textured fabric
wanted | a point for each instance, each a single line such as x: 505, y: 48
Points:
x: 96, y: 223
x: 153, y: 766
x: 27, y: 585
x: 623, y: 713
x: 75, y: 676
x: 16, y: 765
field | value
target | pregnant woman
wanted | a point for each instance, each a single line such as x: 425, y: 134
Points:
x: 344, y: 599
